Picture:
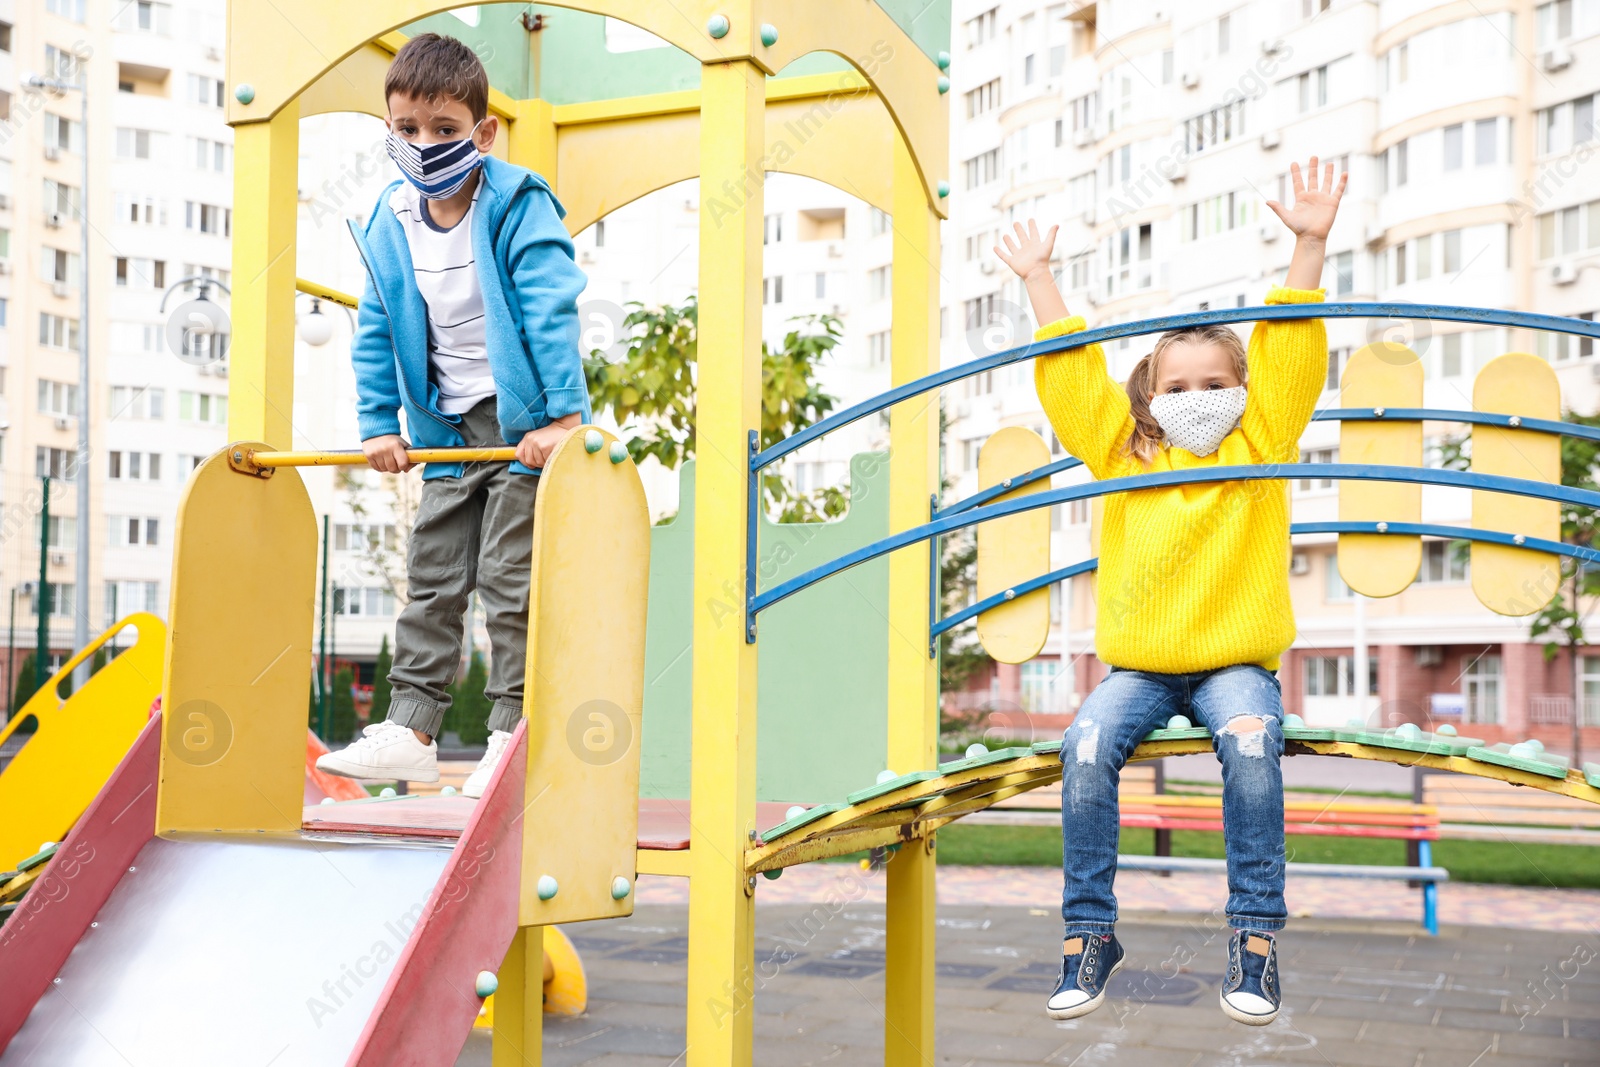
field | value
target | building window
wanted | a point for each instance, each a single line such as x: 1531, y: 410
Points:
x: 61, y: 601
x: 772, y: 289
x: 1128, y: 254
x: 983, y: 28
x: 358, y: 600
x: 58, y: 463
x: 131, y: 531
x: 1591, y: 690
x: 202, y: 407
x: 1335, y: 676
x: 1570, y: 230
x: 1335, y: 588
x: 772, y: 229
x: 1039, y: 685
x: 983, y: 168
x: 133, y: 466
x: 879, y: 283
x: 207, y: 218
x: 1444, y: 561
x: 212, y: 155
x: 137, y: 144
x: 57, y: 398
x: 1481, y: 681
x: 1217, y: 126
x: 1317, y: 455
x: 878, y: 348
x: 124, y: 598
x: 984, y: 98
x: 355, y: 536
x: 56, y: 331
x: 138, y: 402
x: 1564, y: 127
x: 205, y: 91
x: 63, y: 531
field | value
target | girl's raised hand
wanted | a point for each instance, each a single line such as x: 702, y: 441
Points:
x: 1315, y: 203
x: 1027, y: 252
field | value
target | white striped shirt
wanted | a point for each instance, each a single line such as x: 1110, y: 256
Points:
x: 443, y: 265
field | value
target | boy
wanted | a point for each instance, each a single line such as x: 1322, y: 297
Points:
x: 469, y: 324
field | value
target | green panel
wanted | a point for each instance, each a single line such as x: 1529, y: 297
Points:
x: 823, y: 653
x: 499, y: 40
x: 575, y: 67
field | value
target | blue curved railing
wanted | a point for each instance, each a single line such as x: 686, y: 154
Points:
x: 981, y: 507
x: 1423, y: 529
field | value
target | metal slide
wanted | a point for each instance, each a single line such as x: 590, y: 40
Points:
x: 347, y: 948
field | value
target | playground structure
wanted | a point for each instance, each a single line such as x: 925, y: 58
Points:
x: 643, y: 709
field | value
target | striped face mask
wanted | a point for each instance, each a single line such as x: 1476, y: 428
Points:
x: 437, y: 170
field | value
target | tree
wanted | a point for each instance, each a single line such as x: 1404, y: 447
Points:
x: 381, y: 690
x: 25, y: 687
x: 1569, y: 609
x: 342, y: 714
x: 650, y: 392
x: 468, y: 716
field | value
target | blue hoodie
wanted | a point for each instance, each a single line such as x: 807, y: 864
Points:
x: 530, y: 303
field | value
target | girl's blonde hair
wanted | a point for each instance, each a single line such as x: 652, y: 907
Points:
x: 1146, y: 437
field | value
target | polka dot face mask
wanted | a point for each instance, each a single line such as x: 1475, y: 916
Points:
x: 1198, y: 420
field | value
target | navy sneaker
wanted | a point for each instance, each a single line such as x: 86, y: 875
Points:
x: 1087, y: 963
x: 1250, y: 993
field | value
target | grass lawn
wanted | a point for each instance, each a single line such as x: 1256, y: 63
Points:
x: 1467, y: 861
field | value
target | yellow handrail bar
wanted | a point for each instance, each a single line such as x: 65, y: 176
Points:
x: 322, y: 292
x: 355, y: 457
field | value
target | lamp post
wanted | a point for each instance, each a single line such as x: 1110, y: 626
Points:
x: 80, y: 636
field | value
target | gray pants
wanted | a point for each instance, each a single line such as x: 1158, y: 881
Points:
x: 471, y: 532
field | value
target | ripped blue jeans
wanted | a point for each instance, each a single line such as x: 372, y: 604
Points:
x: 1114, y: 718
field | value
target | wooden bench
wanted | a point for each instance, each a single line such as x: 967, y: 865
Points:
x: 1144, y: 804
x: 1482, y: 809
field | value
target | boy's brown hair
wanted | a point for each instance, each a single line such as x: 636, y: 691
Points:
x: 430, y: 66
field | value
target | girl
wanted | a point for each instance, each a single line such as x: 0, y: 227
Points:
x: 1192, y: 596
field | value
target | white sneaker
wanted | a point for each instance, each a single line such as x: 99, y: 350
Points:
x: 478, y: 780
x: 385, y: 750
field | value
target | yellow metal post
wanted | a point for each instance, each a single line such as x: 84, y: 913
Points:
x: 531, y: 136
x: 913, y: 674
x: 519, y: 1002
x: 722, y: 791
x: 261, y: 367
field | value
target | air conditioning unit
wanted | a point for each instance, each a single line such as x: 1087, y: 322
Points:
x: 214, y: 53
x: 1563, y: 274
x: 1271, y: 139
x: 1191, y: 79
x: 1270, y: 47
x: 52, y: 220
x: 1269, y: 232
x: 987, y: 266
x: 221, y: 369
x: 835, y: 249
x: 52, y: 153
x: 1429, y: 655
x: 58, y: 558
x: 63, y: 423
x: 586, y: 256
x: 1092, y: 297
x: 28, y: 588
x: 1180, y: 172
x: 59, y: 288
x: 1299, y: 563
x: 1089, y: 217
x: 1082, y: 138
x: 1371, y: 233
x: 1557, y: 59
x: 5, y: 202
x: 5, y: 266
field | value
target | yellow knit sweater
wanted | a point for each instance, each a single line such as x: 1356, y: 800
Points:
x: 1193, y: 577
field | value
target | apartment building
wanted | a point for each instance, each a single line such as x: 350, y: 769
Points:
x: 1153, y: 134
x: 158, y: 209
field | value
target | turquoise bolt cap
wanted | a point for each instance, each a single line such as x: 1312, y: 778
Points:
x: 620, y: 887
x: 387, y: 791
x: 547, y: 887
x: 1446, y: 730
x: 448, y: 791
x: 944, y: 188
x: 944, y: 60
x: 1178, y: 722
x: 244, y: 92
x: 769, y: 34
x: 944, y: 84
x: 793, y: 813
x: 773, y: 875
x: 718, y: 26
x: 592, y: 441
x: 886, y: 775
x: 1293, y: 720
x: 486, y: 984
x: 619, y: 451
x: 975, y: 750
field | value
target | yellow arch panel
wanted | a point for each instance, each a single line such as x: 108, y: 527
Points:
x: 1380, y: 375
x: 1507, y: 580
x: 585, y: 685
x: 1014, y: 549
x: 238, y: 664
x: 268, y: 50
x: 829, y: 129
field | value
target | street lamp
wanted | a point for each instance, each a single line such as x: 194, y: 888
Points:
x: 197, y: 330
x: 315, y: 328
x: 81, y: 626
